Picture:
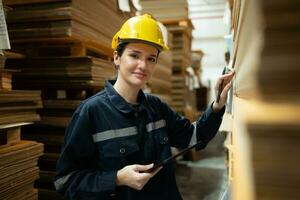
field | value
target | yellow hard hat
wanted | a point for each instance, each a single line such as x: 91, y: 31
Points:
x: 143, y: 28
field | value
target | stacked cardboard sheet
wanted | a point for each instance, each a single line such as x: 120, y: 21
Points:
x: 18, y: 170
x: 274, y: 131
x: 280, y: 60
x: 52, y: 137
x: 182, y: 39
x: 19, y: 106
x: 267, y: 125
x: 166, y: 10
x: 55, y: 117
x: 61, y: 20
x: 179, y: 90
x: 60, y: 72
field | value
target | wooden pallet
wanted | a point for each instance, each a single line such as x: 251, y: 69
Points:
x: 5, y: 79
x: 10, y: 136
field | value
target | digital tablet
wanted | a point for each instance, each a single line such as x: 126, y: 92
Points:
x: 172, y: 158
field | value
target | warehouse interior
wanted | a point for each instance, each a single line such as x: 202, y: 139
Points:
x: 54, y: 54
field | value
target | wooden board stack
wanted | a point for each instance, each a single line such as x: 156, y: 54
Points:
x: 67, y: 44
x: 266, y: 102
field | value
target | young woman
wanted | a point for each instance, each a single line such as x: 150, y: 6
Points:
x: 115, y: 136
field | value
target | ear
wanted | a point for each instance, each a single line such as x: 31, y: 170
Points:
x: 116, y: 58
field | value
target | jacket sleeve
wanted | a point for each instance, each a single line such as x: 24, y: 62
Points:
x: 77, y: 176
x: 181, y: 130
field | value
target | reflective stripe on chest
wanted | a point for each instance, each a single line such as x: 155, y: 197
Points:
x: 124, y: 132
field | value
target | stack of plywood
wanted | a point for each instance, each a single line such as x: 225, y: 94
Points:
x: 67, y: 48
x: 266, y: 106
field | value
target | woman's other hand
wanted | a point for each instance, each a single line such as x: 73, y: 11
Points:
x: 224, y: 83
x: 135, y: 176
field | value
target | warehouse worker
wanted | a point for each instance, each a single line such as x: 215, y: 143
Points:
x: 115, y: 136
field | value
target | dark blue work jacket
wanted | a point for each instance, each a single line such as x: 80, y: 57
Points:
x: 106, y: 133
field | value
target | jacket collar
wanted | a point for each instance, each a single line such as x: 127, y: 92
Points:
x: 120, y: 103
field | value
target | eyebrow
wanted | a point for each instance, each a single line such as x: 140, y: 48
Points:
x: 135, y: 51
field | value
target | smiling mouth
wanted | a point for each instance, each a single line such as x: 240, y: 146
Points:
x: 139, y: 75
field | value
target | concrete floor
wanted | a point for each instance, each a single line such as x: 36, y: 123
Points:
x: 205, y: 179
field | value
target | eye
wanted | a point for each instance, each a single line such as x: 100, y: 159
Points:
x: 152, y: 59
x: 134, y: 55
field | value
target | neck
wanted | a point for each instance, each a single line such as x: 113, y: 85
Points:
x: 126, y: 91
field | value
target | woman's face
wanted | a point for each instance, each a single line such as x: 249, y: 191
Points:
x: 137, y: 63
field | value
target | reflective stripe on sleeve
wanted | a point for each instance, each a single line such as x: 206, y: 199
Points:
x: 156, y: 125
x: 59, y: 183
x: 110, y: 134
